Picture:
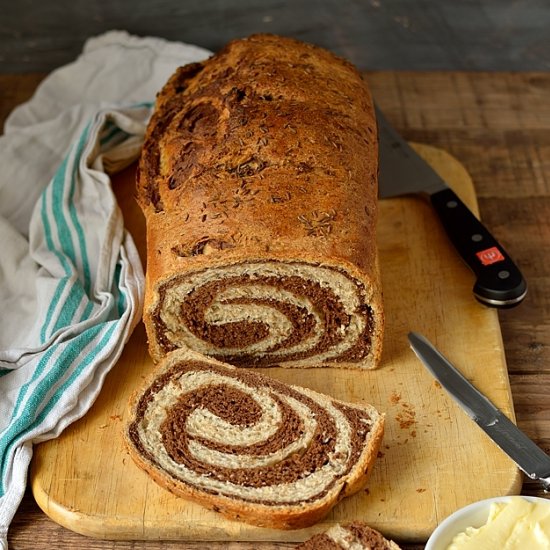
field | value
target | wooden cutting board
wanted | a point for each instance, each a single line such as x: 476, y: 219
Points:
x: 434, y: 459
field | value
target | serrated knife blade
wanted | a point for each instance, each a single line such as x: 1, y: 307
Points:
x: 525, y: 453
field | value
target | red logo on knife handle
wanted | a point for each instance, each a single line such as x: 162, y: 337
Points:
x: 490, y: 256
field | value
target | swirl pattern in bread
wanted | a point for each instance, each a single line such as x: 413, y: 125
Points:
x: 248, y: 446
x: 264, y: 313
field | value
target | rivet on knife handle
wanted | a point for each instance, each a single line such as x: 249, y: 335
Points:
x: 499, y: 282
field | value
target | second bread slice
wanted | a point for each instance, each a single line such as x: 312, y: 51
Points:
x: 248, y: 446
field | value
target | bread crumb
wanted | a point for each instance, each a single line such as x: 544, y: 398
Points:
x: 406, y: 418
x: 395, y: 398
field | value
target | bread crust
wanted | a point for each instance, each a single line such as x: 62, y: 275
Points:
x: 262, y: 515
x: 265, y: 152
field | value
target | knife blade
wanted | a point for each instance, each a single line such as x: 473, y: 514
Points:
x: 499, y: 282
x: 530, y: 458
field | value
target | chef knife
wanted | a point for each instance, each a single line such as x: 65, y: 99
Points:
x: 528, y: 456
x: 402, y: 171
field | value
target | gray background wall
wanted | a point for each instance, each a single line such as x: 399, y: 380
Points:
x: 374, y: 34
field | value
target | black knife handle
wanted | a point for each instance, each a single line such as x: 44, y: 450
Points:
x: 499, y: 282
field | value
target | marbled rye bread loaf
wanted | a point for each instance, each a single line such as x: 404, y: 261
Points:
x: 258, y: 180
x: 349, y: 536
x: 248, y: 446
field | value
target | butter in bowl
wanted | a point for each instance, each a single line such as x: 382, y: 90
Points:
x: 503, y: 523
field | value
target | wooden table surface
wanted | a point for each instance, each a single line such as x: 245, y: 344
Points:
x: 498, y: 126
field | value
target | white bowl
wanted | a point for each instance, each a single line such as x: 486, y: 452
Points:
x: 473, y: 515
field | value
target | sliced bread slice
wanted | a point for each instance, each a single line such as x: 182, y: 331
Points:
x: 248, y: 446
x: 349, y: 536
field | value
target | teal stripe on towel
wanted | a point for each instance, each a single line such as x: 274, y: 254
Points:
x: 62, y: 260
x: 121, y: 299
x: 73, y: 213
x: 87, y: 311
x: 67, y: 251
x: 114, y: 132
x: 58, y: 203
x: 70, y: 306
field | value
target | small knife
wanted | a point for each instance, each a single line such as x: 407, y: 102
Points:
x: 529, y: 457
x: 402, y: 171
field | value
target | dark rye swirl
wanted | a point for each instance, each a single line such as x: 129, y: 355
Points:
x: 258, y: 181
x: 248, y: 446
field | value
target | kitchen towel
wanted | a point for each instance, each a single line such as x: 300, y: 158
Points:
x: 71, y: 282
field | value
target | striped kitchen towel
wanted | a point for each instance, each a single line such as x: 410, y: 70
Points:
x: 71, y: 282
